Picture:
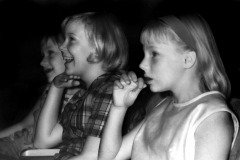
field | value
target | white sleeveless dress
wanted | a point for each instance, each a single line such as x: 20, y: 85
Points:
x: 170, y: 135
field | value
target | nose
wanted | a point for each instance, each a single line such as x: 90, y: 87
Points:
x: 44, y: 62
x: 63, y: 47
x: 143, y: 65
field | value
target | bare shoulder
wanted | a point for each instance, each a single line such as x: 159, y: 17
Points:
x: 214, y: 137
x: 219, y: 121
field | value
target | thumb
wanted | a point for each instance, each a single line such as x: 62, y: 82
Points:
x: 137, y: 90
x: 140, y: 85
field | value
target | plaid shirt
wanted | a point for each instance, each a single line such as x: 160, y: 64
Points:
x: 85, y: 115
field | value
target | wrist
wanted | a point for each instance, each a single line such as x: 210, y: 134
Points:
x: 53, y: 86
x: 120, y: 108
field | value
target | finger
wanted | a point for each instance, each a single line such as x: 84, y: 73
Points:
x: 138, y: 88
x: 75, y: 83
x: 63, y: 79
x: 77, y: 77
x: 141, y: 83
x: 132, y: 76
x: 118, y: 84
x: 125, y: 79
x: 70, y: 76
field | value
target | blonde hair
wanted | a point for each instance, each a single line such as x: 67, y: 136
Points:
x: 106, y: 35
x: 210, y: 68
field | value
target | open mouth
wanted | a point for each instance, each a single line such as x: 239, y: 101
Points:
x: 68, y: 59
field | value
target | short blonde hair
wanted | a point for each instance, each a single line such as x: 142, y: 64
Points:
x: 106, y: 34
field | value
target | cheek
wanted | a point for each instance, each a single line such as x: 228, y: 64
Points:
x: 156, y: 68
x: 71, y: 50
x: 74, y: 49
x: 58, y: 63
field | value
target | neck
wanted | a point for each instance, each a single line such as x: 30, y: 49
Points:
x: 187, y: 89
x: 182, y: 98
x: 92, y: 74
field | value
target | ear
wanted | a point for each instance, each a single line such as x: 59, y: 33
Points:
x: 93, y: 57
x: 189, y: 59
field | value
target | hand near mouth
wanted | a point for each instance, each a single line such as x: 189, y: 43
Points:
x: 66, y: 81
x: 127, y: 89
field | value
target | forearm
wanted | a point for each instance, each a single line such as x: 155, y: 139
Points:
x: 10, y: 130
x: 26, y: 122
x: 47, y: 122
x: 90, y: 149
x: 112, y: 135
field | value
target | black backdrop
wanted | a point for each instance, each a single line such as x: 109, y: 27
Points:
x: 23, y: 22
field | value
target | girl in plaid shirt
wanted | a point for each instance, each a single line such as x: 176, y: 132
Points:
x: 95, y: 50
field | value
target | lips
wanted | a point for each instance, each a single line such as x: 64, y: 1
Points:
x: 47, y: 70
x: 147, y: 79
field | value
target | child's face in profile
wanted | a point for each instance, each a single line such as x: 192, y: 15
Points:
x: 162, y: 65
x: 52, y: 61
x: 76, y: 49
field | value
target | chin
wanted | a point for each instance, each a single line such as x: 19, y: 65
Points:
x: 154, y: 89
x: 50, y: 80
x: 68, y: 72
x: 50, y: 77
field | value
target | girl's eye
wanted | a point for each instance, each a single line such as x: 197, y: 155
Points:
x: 71, y: 39
x: 50, y: 52
x: 154, y: 54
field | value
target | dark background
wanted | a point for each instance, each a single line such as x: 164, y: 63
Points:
x: 24, y: 22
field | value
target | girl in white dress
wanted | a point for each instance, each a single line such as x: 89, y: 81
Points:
x: 194, y: 122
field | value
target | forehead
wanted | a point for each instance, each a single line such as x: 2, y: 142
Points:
x: 152, y: 41
x: 49, y: 45
x: 52, y: 43
x: 162, y: 47
x: 75, y: 27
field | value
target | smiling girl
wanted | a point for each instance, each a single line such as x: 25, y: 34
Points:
x: 95, y: 50
x: 19, y: 136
